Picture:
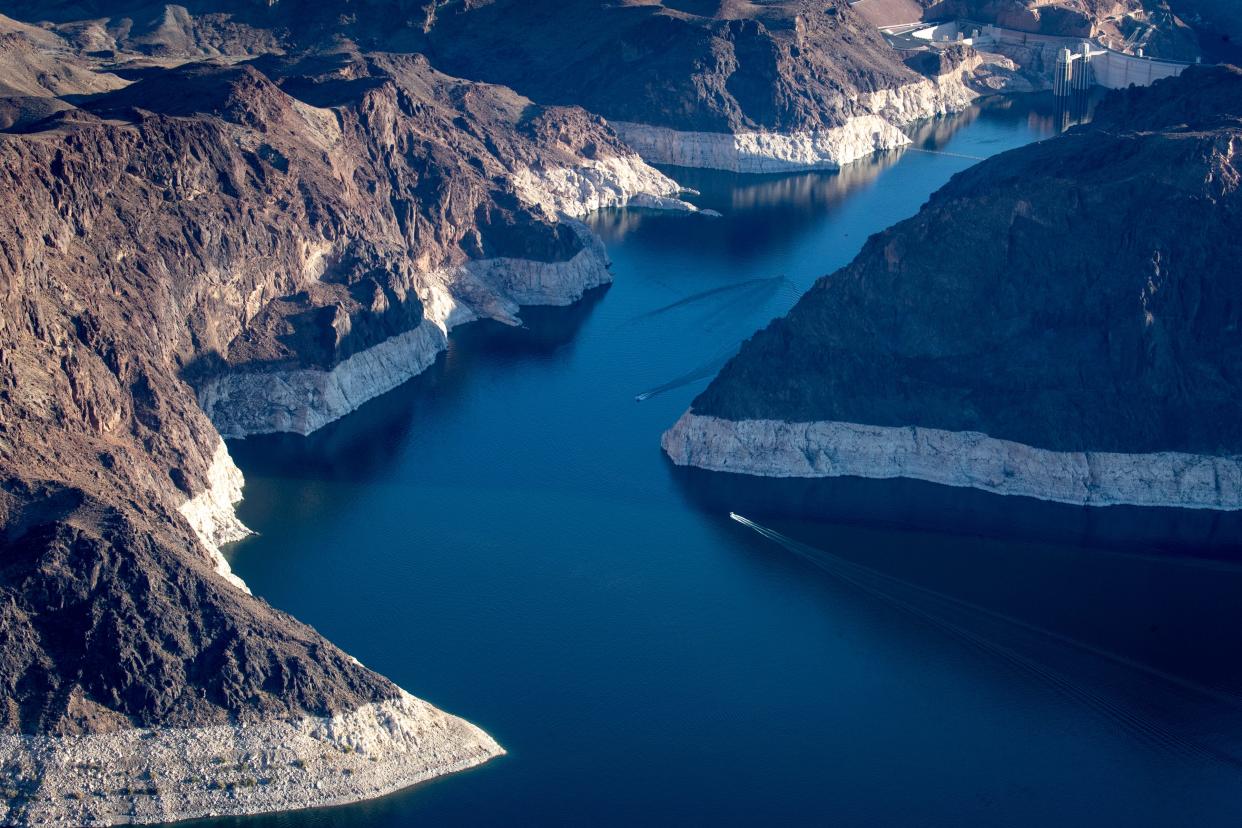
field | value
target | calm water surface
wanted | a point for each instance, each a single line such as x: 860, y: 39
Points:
x: 504, y: 538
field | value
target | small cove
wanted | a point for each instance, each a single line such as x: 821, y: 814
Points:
x: 503, y: 537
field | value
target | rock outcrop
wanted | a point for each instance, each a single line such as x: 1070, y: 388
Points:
x: 730, y: 85
x: 734, y: 85
x: 240, y: 216
x: 265, y: 244
x: 1058, y: 322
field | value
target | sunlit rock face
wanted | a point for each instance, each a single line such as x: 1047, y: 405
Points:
x: 240, y: 769
x: 214, y: 248
x: 792, y: 84
x: 741, y: 87
x: 1059, y: 322
x: 776, y: 448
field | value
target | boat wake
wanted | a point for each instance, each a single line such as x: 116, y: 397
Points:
x: 742, y: 301
x: 705, y: 370
x: 746, y: 286
x: 1019, y: 645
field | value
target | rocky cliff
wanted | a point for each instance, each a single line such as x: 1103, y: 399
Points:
x: 721, y: 83
x: 732, y: 85
x: 1059, y: 321
x: 188, y: 248
x: 235, y: 216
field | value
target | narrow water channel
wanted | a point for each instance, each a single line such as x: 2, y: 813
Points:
x: 503, y: 537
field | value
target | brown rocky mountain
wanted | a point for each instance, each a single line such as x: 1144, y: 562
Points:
x: 684, y: 81
x: 238, y: 216
x: 693, y: 82
x: 234, y: 216
x: 712, y: 66
x: 691, y: 64
x: 1060, y: 321
x: 294, y: 236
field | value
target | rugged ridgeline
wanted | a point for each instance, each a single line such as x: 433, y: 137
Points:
x: 729, y: 85
x: 710, y: 83
x: 266, y: 245
x: 1060, y: 321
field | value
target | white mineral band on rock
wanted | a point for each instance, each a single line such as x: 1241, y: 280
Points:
x: 615, y: 181
x: 774, y: 448
x: 211, y: 515
x: 141, y: 776
x: 763, y: 152
x: 302, y: 400
x: 827, y: 148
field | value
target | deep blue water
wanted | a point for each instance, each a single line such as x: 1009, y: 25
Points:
x: 503, y: 537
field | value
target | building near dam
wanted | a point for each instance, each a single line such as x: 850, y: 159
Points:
x: 1073, y: 64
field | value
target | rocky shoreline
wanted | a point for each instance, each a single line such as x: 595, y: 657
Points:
x: 764, y: 152
x: 985, y: 342
x: 304, y: 399
x: 827, y: 148
x: 143, y: 776
x: 377, y: 748
x: 774, y: 448
x: 211, y: 513
x: 258, y: 226
x: 273, y: 262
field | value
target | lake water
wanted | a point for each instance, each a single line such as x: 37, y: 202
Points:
x: 503, y: 537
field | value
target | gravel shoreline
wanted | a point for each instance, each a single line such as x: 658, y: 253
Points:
x: 142, y: 776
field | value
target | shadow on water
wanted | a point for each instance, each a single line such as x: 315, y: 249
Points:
x: 1202, y: 534
x: 370, y: 441
x: 1158, y: 586
x: 1165, y: 712
x: 504, y: 538
x: 790, y: 205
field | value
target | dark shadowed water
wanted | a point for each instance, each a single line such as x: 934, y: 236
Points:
x: 504, y: 538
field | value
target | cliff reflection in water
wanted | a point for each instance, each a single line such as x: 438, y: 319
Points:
x: 790, y: 204
x: 916, y: 505
x: 372, y: 440
x: 1156, y: 586
x: 505, y: 535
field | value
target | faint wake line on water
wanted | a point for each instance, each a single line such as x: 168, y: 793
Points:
x: 735, y: 309
x: 948, y: 154
x: 773, y: 283
x: 703, y: 371
x: 1138, y: 726
x: 752, y: 296
x: 707, y: 294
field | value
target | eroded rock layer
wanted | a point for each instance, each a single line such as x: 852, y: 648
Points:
x: 219, y: 232
x: 791, y: 80
x: 729, y: 85
x: 1059, y: 322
